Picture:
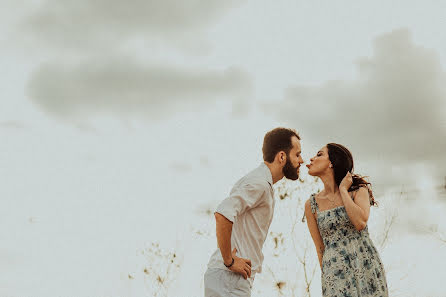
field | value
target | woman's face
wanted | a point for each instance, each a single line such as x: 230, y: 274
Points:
x: 319, y: 163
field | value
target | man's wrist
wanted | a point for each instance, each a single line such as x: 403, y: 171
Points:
x: 230, y: 264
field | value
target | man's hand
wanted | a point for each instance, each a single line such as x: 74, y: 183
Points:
x: 224, y: 230
x: 241, y: 266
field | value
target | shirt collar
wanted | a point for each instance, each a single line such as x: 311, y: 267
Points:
x: 267, y: 172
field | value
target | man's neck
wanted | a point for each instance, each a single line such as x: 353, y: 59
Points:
x: 276, y: 171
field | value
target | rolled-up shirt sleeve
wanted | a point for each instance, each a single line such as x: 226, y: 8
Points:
x: 241, y: 198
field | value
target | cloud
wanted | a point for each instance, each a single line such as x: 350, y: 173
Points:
x: 393, y: 114
x: 103, y: 80
x: 90, y: 24
x: 122, y: 86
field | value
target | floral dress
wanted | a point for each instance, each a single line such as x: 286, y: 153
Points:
x: 351, y: 266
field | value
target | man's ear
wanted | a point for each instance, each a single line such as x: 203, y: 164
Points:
x: 282, y: 157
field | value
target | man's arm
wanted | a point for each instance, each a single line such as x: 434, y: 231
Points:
x: 224, y: 232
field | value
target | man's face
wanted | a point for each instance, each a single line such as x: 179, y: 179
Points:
x: 293, y: 160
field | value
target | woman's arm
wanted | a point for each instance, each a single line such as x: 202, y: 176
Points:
x: 358, y: 210
x: 314, y: 231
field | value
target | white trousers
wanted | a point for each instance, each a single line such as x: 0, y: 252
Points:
x: 223, y: 283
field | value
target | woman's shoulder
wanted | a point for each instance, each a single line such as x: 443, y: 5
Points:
x: 310, y: 199
x: 359, y: 189
x: 310, y: 204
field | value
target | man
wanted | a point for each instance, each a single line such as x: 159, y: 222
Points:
x: 243, y: 219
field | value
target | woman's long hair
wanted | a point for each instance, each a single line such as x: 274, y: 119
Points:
x: 342, y: 161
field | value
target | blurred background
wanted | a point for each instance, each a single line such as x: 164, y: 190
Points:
x: 125, y: 123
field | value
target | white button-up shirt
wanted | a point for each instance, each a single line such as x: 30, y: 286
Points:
x: 250, y: 206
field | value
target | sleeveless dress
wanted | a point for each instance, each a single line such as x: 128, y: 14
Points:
x: 351, y: 266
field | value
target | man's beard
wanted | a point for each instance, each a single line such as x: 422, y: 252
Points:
x: 289, y: 171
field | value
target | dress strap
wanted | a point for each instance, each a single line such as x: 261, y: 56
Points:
x: 313, y: 203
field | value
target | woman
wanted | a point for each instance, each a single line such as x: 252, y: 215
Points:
x: 337, y: 220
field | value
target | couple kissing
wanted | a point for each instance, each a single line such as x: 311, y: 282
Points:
x: 336, y: 218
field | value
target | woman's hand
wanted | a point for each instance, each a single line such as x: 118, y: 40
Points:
x: 346, y: 182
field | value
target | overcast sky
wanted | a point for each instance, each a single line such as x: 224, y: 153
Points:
x: 122, y: 121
